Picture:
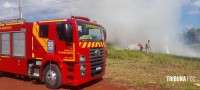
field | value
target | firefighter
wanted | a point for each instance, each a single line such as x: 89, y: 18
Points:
x: 141, y: 46
x: 148, y: 47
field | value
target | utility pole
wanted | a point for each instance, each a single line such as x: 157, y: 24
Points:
x: 20, y: 9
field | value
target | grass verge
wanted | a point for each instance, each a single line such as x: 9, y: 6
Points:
x: 139, y: 69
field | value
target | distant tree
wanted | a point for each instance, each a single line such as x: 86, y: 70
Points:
x: 191, y: 36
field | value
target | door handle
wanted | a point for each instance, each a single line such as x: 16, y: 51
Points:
x: 55, y: 48
x: 18, y: 62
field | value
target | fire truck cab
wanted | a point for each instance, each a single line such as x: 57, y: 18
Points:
x: 59, y: 52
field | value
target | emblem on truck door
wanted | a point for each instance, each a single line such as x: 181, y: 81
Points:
x: 97, y: 52
x: 50, y: 44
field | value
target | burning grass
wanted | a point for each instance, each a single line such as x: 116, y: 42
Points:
x: 139, y: 69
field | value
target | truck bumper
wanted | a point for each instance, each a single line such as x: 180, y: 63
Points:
x: 74, y: 78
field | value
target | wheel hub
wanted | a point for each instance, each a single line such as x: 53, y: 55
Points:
x: 51, y: 77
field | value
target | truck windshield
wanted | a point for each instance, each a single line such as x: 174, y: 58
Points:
x: 90, y: 32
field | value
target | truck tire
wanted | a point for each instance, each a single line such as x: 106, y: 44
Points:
x: 52, y: 78
x: 1, y: 74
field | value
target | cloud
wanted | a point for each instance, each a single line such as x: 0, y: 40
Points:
x: 45, y: 9
x: 8, y: 9
x: 197, y: 3
x: 194, y: 12
x: 195, y: 8
x: 9, y: 5
x: 48, y: 9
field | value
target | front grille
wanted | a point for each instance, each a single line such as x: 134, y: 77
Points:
x: 96, y: 61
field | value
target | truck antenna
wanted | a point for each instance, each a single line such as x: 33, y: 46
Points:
x: 20, y: 9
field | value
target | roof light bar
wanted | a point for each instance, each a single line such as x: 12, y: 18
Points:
x: 81, y: 18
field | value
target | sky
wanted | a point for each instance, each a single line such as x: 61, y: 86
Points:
x: 189, y: 15
x: 127, y: 21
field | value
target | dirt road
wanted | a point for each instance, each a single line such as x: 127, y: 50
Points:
x: 11, y: 82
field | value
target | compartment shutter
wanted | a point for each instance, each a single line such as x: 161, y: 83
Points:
x: 5, y: 44
x: 19, y: 44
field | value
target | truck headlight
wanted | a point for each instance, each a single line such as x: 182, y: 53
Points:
x: 83, y: 73
x: 82, y: 70
x: 82, y: 58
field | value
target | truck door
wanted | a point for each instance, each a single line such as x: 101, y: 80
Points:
x: 18, y: 52
x: 64, y: 42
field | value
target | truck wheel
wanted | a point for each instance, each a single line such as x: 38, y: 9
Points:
x: 52, y: 78
x: 1, y: 74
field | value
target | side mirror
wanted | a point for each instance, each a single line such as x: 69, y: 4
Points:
x: 104, y: 33
x: 69, y: 33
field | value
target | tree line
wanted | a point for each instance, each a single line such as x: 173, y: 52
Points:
x: 191, y: 36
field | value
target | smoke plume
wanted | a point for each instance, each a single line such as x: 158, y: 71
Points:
x: 127, y: 21
x: 132, y: 21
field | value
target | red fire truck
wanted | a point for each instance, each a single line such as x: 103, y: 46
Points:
x: 59, y: 52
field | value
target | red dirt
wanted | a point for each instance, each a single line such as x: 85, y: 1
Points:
x: 11, y: 82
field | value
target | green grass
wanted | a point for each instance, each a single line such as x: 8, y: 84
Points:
x: 138, y: 69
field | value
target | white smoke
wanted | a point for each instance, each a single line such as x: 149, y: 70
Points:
x: 127, y: 21
x: 132, y: 21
